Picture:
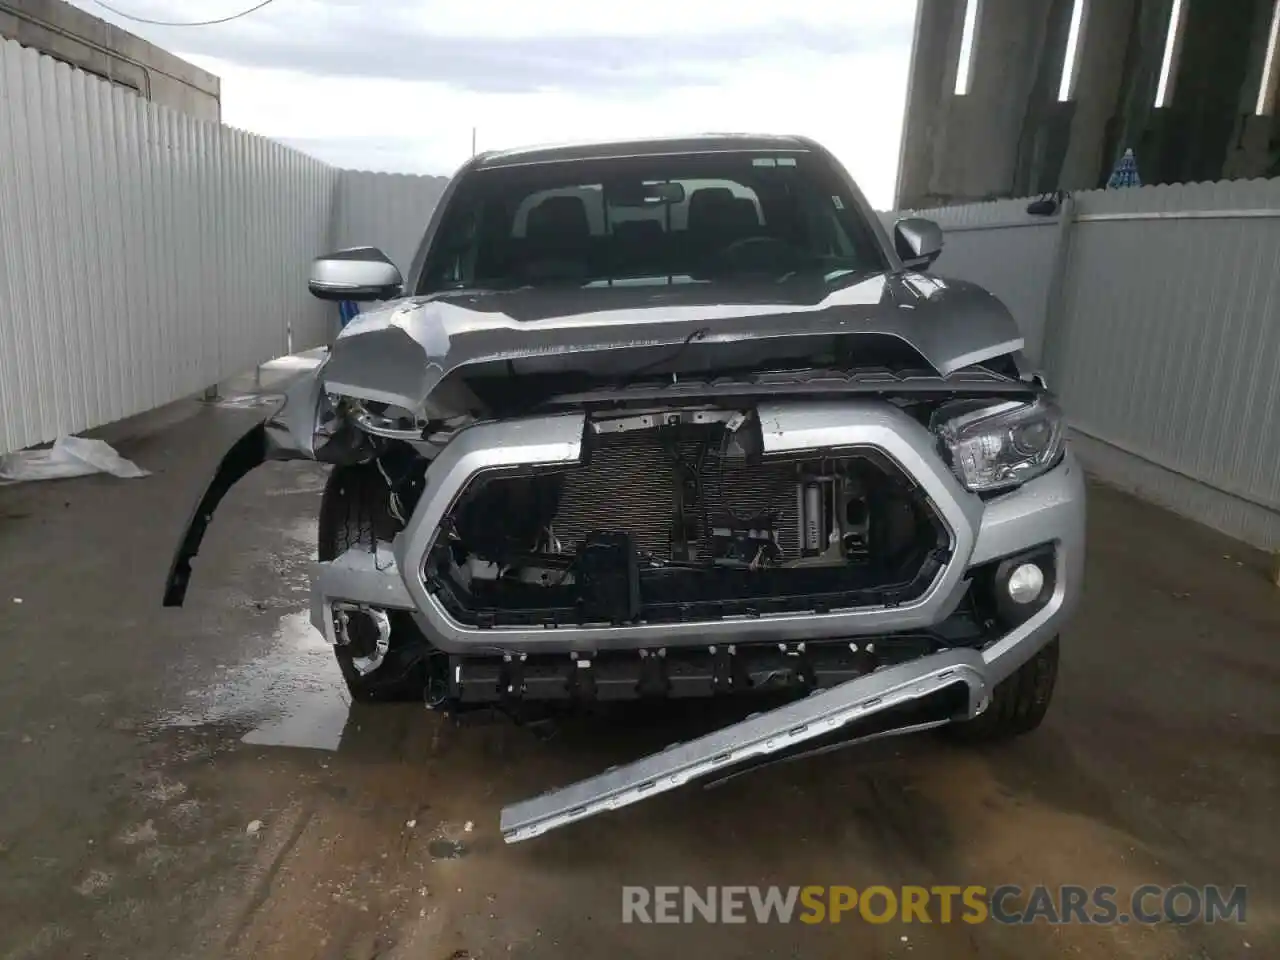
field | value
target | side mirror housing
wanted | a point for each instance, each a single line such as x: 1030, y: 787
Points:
x: 359, y: 274
x: 918, y: 242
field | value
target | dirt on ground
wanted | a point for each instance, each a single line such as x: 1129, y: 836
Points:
x: 195, y: 783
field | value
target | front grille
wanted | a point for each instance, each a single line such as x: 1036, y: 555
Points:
x: 629, y: 485
x: 868, y: 537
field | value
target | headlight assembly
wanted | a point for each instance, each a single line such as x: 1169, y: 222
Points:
x: 993, y: 447
x: 383, y: 420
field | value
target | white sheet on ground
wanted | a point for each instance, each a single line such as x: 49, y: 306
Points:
x: 68, y: 457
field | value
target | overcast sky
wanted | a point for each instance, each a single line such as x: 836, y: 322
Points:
x: 397, y: 85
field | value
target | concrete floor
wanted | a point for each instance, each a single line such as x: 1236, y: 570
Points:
x: 137, y: 744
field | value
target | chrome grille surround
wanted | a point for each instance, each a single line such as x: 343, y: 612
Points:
x: 837, y: 428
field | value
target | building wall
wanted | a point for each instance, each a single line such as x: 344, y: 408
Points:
x: 67, y: 33
x: 1088, y: 154
x: 958, y: 149
x: 1010, y: 136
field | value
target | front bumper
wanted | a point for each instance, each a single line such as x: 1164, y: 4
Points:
x: 1047, y: 512
x: 1045, y: 516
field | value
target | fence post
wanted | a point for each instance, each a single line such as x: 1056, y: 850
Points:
x: 1054, y: 307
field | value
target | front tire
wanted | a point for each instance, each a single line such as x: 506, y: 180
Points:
x: 1018, y: 703
x: 355, y: 512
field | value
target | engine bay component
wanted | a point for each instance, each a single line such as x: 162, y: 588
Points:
x: 752, y: 544
x: 834, y: 521
x: 685, y: 521
x: 608, y: 578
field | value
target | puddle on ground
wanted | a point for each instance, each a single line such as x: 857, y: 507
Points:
x: 446, y: 849
x: 291, y: 697
x: 315, y: 724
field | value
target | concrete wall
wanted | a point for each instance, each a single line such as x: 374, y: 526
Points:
x: 1009, y: 136
x: 67, y: 33
x: 1251, y: 151
x: 1088, y: 157
x: 961, y: 149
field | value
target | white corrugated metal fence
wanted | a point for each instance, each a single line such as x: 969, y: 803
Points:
x: 145, y: 255
x: 1163, y: 340
x: 386, y: 210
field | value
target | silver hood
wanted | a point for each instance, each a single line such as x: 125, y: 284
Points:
x: 400, y: 353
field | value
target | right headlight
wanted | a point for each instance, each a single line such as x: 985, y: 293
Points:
x: 993, y: 447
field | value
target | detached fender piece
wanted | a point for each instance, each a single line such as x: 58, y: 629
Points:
x: 767, y: 734
x: 294, y: 432
x: 247, y: 453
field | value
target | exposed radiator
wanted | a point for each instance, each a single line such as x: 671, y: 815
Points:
x: 630, y: 485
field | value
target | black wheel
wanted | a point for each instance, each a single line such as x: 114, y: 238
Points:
x: 1018, y: 703
x: 355, y: 512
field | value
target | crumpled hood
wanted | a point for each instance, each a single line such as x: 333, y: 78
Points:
x: 401, y: 352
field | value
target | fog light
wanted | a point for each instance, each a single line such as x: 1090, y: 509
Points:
x: 365, y: 631
x: 1025, y: 583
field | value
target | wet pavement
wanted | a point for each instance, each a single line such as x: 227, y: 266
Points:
x: 195, y: 783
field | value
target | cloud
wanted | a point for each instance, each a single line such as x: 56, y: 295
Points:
x: 639, y: 49
x: 397, y: 85
x: 603, y: 64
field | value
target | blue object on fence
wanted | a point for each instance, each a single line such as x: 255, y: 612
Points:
x: 1126, y: 172
x: 347, y: 310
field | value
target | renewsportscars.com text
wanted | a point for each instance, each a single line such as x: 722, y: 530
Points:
x: 972, y: 903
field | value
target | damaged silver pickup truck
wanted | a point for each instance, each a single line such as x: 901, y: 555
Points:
x: 677, y: 418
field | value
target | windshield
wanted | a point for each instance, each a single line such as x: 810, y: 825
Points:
x: 637, y: 221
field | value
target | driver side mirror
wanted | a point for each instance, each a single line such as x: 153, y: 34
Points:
x: 918, y: 242
x: 359, y: 274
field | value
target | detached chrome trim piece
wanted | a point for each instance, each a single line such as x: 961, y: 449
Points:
x: 758, y: 736
x: 813, y: 717
x: 786, y: 428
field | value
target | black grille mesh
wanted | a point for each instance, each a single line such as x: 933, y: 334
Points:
x: 630, y: 485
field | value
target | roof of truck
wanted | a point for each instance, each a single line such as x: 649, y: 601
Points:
x: 658, y: 146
